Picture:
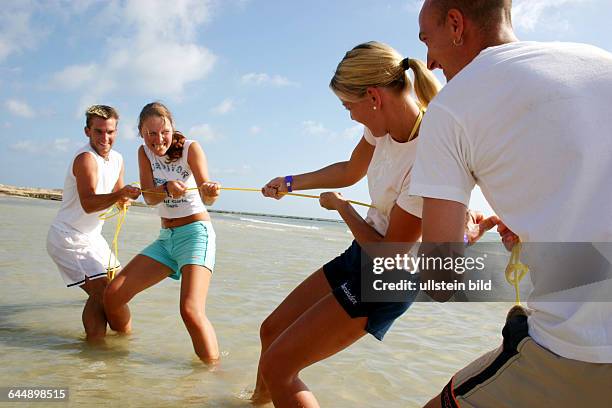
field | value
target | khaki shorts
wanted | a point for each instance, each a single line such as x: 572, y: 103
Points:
x: 521, y: 373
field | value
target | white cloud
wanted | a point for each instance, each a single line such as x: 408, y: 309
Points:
x: 528, y: 15
x: 154, y: 52
x: 128, y: 130
x: 253, y: 78
x: 243, y: 170
x: 17, y: 33
x: 414, y: 5
x: 61, y: 144
x: 203, y: 132
x: 26, y: 146
x: 19, y: 108
x: 224, y: 107
x: 58, y: 145
x: 353, y: 133
x: 531, y: 14
x: 313, y: 128
x: 254, y: 130
x: 75, y: 76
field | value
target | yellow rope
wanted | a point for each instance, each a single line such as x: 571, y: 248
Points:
x: 122, y: 213
x: 516, y: 270
x: 257, y: 190
x: 110, y: 213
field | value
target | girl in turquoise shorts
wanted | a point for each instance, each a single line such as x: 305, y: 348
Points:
x: 170, y: 168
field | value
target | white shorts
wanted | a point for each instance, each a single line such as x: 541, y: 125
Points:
x: 79, y: 256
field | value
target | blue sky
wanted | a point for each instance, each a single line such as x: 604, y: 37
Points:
x: 248, y: 79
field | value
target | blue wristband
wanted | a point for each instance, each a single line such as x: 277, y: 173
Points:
x: 166, y: 189
x: 288, y: 183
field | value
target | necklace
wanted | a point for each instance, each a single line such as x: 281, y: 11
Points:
x: 417, y: 123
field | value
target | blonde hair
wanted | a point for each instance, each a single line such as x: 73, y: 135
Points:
x: 375, y: 64
x: 100, y: 111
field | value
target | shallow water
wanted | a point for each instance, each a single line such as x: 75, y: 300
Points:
x: 259, y: 261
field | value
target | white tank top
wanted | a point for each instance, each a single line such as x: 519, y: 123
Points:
x: 71, y: 216
x: 191, y: 203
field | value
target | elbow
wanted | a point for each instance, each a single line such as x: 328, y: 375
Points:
x: 151, y: 200
x: 87, y: 208
x: 352, y: 179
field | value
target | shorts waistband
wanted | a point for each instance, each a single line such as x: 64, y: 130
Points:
x: 186, y: 226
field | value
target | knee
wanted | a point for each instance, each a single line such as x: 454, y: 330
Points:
x: 268, y: 331
x: 269, y: 367
x: 192, y: 315
x: 274, y: 369
x: 112, y: 299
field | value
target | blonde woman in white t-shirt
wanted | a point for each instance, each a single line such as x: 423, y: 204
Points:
x: 171, y: 167
x: 325, y: 314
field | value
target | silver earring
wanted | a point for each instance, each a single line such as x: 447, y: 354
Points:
x: 374, y: 107
x: 457, y: 43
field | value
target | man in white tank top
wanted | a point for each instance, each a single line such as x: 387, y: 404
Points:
x: 94, y: 183
x: 530, y: 124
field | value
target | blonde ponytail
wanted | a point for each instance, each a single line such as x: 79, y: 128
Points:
x: 426, y: 85
x: 375, y: 64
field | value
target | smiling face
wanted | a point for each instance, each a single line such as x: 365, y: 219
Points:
x: 437, y: 33
x: 157, y: 134
x: 102, y: 134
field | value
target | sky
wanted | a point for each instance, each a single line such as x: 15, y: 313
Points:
x: 248, y: 79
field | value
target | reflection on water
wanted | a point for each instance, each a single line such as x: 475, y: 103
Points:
x: 258, y: 263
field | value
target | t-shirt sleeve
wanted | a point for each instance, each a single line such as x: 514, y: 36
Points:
x: 368, y: 136
x: 410, y: 203
x: 442, y: 167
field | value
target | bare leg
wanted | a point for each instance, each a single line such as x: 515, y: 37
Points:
x: 322, y: 331
x: 194, y: 290
x: 140, y: 273
x: 94, y: 318
x: 304, y: 296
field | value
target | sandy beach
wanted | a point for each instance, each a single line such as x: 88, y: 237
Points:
x: 43, y: 193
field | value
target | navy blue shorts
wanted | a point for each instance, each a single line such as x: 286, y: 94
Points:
x: 344, y: 276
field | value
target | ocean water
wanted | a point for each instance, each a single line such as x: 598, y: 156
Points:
x: 259, y: 261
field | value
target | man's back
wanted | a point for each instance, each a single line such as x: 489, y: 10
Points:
x: 531, y: 124
x: 538, y: 118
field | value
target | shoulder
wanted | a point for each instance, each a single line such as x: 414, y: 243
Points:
x: 192, y: 145
x: 440, y: 114
x: 85, y: 157
x: 84, y: 162
x: 193, y: 149
x: 368, y: 136
x: 143, y: 154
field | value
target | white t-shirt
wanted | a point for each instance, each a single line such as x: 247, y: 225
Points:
x: 389, y: 178
x: 71, y: 216
x: 191, y: 202
x: 531, y: 124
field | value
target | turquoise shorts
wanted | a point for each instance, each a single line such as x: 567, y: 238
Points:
x: 191, y: 244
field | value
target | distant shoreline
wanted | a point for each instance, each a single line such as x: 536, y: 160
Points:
x: 56, y: 195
